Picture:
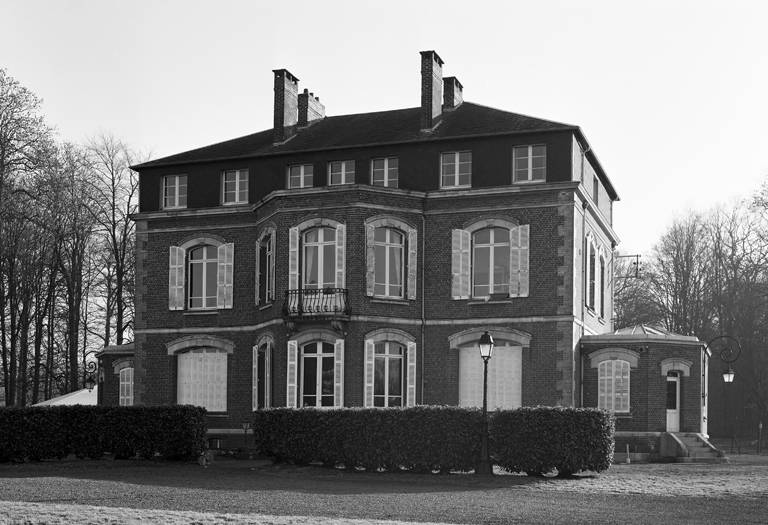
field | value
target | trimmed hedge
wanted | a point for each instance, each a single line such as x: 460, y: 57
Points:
x: 538, y: 440
x: 54, y: 432
x: 438, y: 438
x: 420, y: 439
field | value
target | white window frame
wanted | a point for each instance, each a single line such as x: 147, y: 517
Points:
x: 389, y: 246
x: 346, y: 176
x: 266, y: 282
x: 453, y: 158
x: 323, y: 245
x: 202, y: 378
x: 229, y: 198
x: 601, y: 280
x: 528, y: 170
x: 319, y: 358
x: 126, y: 386
x: 407, y: 343
x: 494, y: 246
x: 305, y: 176
x: 608, y: 398
x: 175, y: 182
x: 209, y: 297
x: 179, y: 283
x: 267, y: 344
x: 387, y: 181
x: 387, y: 356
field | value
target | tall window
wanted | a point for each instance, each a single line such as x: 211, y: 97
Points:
x: 388, y: 274
x: 456, y: 169
x: 319, y: 258
x: 175, y: 191
x: 265, y: 278
x: 342, y: 172
x: 317, y: 375
x: 613, y: 385
x: 504, y: 377
x: 202, y: 379
x: 602, y: 286
x: 300, y: 176
x: 384, y: 172
x: 201, y: 275
x: 262, y: 374
x: 490, y: 262
x: 126, y: 386
x: 388, y: 375
x: 235, y: 187
x: 530, y: 163
x: 203, y: 286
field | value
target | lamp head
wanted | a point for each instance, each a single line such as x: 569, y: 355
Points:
x: 246, y: 424
x: 486, y: 345
x: 728, y: 375
x: 90, y: 383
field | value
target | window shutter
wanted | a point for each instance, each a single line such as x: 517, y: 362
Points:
x: 341, y: 231
x: 411, y: 375
x: 519, y: 260
x: 255, y: 379
x: 460, y: 247
x: 338, y: 373
x: 370, y: 362
x: 183, y: 389
x: 293, y: 256
x: 412, y: 262
x: 292, y: 379
x: 268, y: 376
x: 258, y: 272
x: 176, y: 278
x: 370, y: 259
x: 218, y: 373
x: 225, y: 280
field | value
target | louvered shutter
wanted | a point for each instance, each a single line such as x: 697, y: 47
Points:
x: 370, y: 259
x: 267, y: 387
x: 412, y: 262
x: 411, y: 375
x: 519, y: 240
x: 293, y: 372
x: 225, y: 277
x: 341, y: 231
x: 293, y: 259
x: 460, y: 248
x: 525, y: 239
x: 176, y: 278
x: 258, y: 272
x: 338, y: 373
x: 370, y: 362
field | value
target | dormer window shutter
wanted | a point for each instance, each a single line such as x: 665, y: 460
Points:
x: 519, y: 240
x: 225, y: 277
x: 461, y: 241
x: 176, y: 264
x: 338, y: 373
x: 412, y: 262
x: 291, y: 397
x: 341, y: 231
x: 293, y: 259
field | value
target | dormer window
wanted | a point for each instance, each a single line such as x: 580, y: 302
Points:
x: 300, y: 176
x: 456, y: 169
x: 341, y: 172
x: 175, y: 191
x: 384, y: 172
x: 235, y: 187
x: 530, y: 163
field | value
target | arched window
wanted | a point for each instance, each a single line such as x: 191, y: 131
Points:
x: 389, y: 267
x: 591, y: 276
x: 390, y: 369
x: 391, y: 248
x: 319, y: 256
x: 602, y: 286
x: 315, y: 370
x: 202, y: 379
x: 490, y: 262
x: 201, y: 274
x: 203, y: 267
x: 262, y: 373
x: 265, y: 267
x: 613, y: 385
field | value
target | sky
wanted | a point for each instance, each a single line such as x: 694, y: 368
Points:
x: 671, y: 95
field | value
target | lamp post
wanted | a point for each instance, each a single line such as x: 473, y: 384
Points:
x: 484, y: 466
x: 246, y: 426
x: 728, y: 350
x: 90, y: 369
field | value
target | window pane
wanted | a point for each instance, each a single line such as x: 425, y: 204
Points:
x: 538, y: 174
x: 539, y: 150
x: 393, y: 163
x: 378, y: 164
x: 380, y: 235
x: 380, y: 264
x: 449, y: 169
x: 329, y: 265
x: 379, y: 383
x: 328, y: 376
x: 483, y: 236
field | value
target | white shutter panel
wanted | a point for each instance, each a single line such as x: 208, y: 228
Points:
x: 370, y: 259
x: 182, y: 382
x: 514, y: 261
x: 176, y: 262
x: 341, y: 231
x: 258, y: 272
x: 255, y: 379
x: 267, y: 387
x: 411, y: 375
x: 225, y: 277
x: 217, y: 364
x: 292, y: 379
x: 525, y: 236
x: 460, y: 247
x: 293, y: 259
x: 338, y: 373
x: 412, y: 262
x: 370, y: 362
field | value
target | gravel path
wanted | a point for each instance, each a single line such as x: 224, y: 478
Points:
x: 637, y: 493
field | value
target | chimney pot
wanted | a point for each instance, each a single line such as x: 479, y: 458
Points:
x: 286, y: 105
x: 431, y: 90
x: 453, y: 92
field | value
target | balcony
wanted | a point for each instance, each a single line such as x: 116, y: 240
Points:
x: 310, y: 305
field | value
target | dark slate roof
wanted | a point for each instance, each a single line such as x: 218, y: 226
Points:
x: 365, y: 129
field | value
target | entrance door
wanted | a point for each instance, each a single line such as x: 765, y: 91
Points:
x: 673, y: 402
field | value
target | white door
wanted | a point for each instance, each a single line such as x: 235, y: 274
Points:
x: 673, y: 402
x: 504, y: 377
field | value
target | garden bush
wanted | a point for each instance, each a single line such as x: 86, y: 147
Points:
x: 53, y: 432
x: 538, y: 440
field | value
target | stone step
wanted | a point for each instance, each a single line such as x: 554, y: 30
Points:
x: 700, y: 452
x: 700, y: 459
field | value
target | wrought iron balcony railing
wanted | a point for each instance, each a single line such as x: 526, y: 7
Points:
x: 316, y: 302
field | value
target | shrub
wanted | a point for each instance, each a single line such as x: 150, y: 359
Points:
x: 538, y: 440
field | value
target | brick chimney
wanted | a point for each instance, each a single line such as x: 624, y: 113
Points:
x: 310, y: 108
x: 286, y: 105
x: 431, y: 90
x: 453, y: 93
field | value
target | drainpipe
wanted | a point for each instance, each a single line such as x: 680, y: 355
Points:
x: 423, y: 318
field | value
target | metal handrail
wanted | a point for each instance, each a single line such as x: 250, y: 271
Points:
x: 314, y: 301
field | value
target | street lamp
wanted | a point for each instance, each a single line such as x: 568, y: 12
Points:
x: 90, y: 369
x: 728, y: 350
x: 246, y: 426
x: 484, y: 466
